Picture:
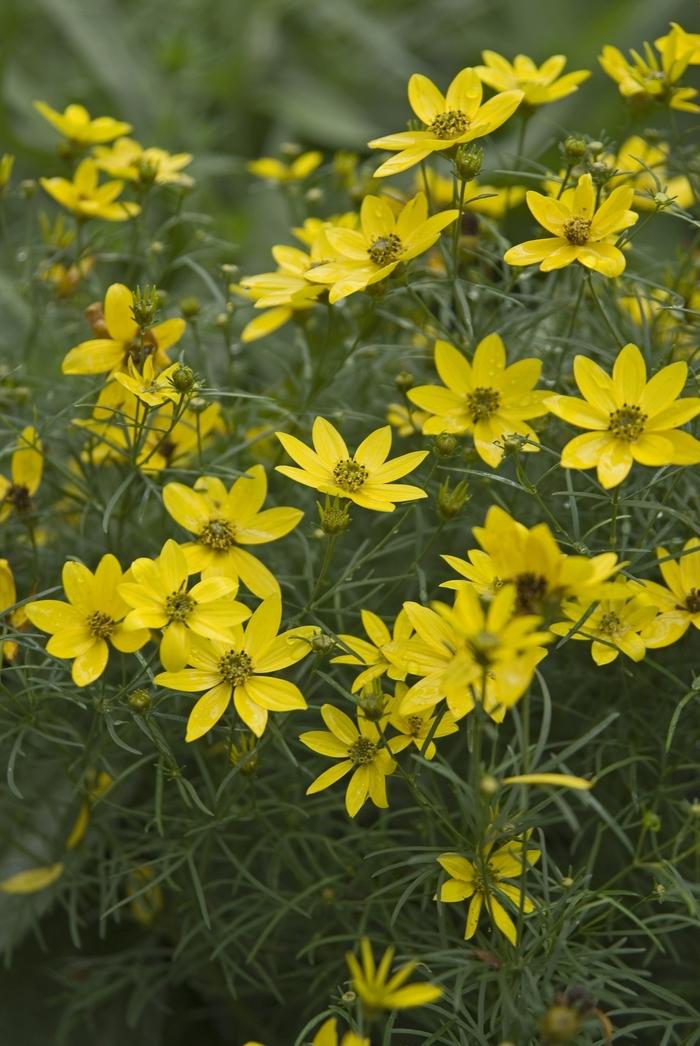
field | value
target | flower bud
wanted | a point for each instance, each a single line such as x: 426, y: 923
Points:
x: 403, y: 380
x: 573, y: 148
x: 27, y: 187
x: 651, y: 822
x: 488, y: 785
x: 451, y: 502
x: 198, y: 404
x: 242, y: 753
x: 184, y: 379
x: 559, y: 1024
x: 322, y: 644
x: 190, y: 306
x: 314, y: 195
x: 468, y: 161
x: 145, y: 306
x: 600, y: 172
x: 372, y: 702
x: 445, y: 445
x: 334, y: 516
x: 139, y: 701
x: 662, y: 200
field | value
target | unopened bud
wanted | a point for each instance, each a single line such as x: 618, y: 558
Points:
x: 573, y: 148
x: 139, y: 701
x: 662, y: 200
x: 488, y: 785
x: 322, y: 644
x: 372, y: 701
x: 468, y: 161
x: 334, y: 516
x: 595, y: 147
x: 403, y: 380
x: 451, y: 502
x: 27, y: 187
x: 559, y: 1024
x: 145, y: 306
x: 313, y: 195
x: 190, y: 306
x: 600, y: 172
x: 198, y: 404
x: 445, y: 445
x: 243, y: 753
x: 651, y: 822
x: 184, y: 379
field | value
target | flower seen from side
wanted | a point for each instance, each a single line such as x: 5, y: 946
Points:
x: 539, y: 84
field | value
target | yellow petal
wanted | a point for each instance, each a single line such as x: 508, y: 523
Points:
x: 32, y: 880
x: 557, y: 780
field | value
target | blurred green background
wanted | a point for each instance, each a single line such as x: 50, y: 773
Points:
x: 232, y: 79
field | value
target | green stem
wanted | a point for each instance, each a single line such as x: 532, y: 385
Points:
x: 601, y: 309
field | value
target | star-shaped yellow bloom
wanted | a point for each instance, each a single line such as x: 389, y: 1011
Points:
x: 26, y: 470
x: 580, y: 232
x: 378, y: 991
x: 485, y: 397
x: 81, y: 628
x: 273, y: 170
x: 614, y: 625
x: 150, y: 387
x: 121, y: 340
x: 642, y: 165
x: 450, y: 119
x: 631, y: 419
x: 366, y: 477
x: 128, y: 159
x: 678, y: 602
x: 367, y: 255
x: 540, y: 84
x: 76, y: 124
x: 370, y: 655
x: 86, y: 198
x: 648, y: 78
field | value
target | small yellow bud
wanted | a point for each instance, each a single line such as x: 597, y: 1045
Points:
x: 468, y: 161
x: 404, y: 380
x: 573, y: 149
x: 145, y: 306
x: 334, y: 516
x: 190, y: 306
x: 488, y: 785
x: 139, y: 701
x: 445, y: 445
x: 559, y: 1024
x: 451, y: 502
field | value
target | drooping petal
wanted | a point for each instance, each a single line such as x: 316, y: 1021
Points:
x: 208, y: 711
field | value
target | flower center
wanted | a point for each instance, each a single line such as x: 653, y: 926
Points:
x: 451, y: 124
x: 415, y: 724
x: 362, y: 751
x: 576, y: 231
x: 140, y: 349
x: 350, y: 475
x: 235, y: 667
x: 217, y: 534
x: 627, y: 423
x: 530, y: 591
x: 385, y: 249
x: 692, y: 602
x: 18, y: 495
x: 482, y: 403
x: 609, y: 624
x: 100, y: 625
x: 179, y: 606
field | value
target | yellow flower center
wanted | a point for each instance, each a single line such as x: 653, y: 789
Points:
x: 530, y: 592
x: 692, y: 602
x: 415, y: 724
x: 19, y: 497
x: 576, y: 231
x: 609, y: 624
x: 235, y: 667
x: 385, y: 249
x: 482, y: 403
x: 627, y: 423
x: 100, y: 625
x: 179, y: 606
x: 217, y: 534
x: 350, y: 475
x: 451, y: 124
x: 362, y: 751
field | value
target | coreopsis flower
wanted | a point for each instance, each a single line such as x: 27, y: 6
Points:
x: 65, y: 279
x: 327, y: 1035
x: 406, y: 422
x: 531, y: 560
x: 485, y: 397
x: 645, y: 79
x: 222, y: 520
x: 365, y: 256
x: 485, y: 881
x: 127, y: 159
x: 417, y: 727
x: 120, y: 339
x: 282, y: 293
x: 378, y: 991
x: 10, y: 619
x: 365, y: 478
x: 629, y: 418
x: 360, y: 751
x: 147, y: 898
x: 471, y: 652
x: 159, y: 597
x: 32, y: 880
x: 580, y: 232
x: 93, y: 617
x: 539, y: 84
x: 85, y: 198
x: 235, y: 668
x: 371, y: 654
x: 642, y: 165
x: 678, y: 602
x: 614, y: 625
x: 150, y: 387
x: 274, y: 170
x: 684, y: 43
x: 449, y: 120
x: 76, y: 124
x: 26, y: 470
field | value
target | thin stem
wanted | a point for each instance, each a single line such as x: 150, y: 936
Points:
x: 601, y: 309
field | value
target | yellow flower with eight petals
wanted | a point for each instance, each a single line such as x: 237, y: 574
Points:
x: 86, y: 198
x: 76, y: 124
x: 540, y: 84
x: 26, y: 470
x: 378, y: 991
x: 450, y: 119
x: 236, y: 669
x: 679, y: 602
x: 366, y: 477
x: 371, y: 654
x: 81, y: 628
x: 631, y: 419
x: 580, y: 232
x: 646, y: 79
x: 613, y: 626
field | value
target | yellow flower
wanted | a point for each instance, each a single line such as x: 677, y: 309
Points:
x: 449, y: 120
x: 327, y: 1035
x: 128, y: 159
x: 371, y: 653
x: 147, y: 899
x: 642, y: 165
x: 159, y: 598
x: 367, y: 255
x: 491, y: 201
x: 417, y: 727
x: 13, y: 619
x: 223, y: 520
x: 366, y: 477
x: 540, y: 85
x: 149, y: 387
x: 378, y: 991
x: 631, y: 419
x: 86, y: 199
x: 484, y: 881
x: 530, y: 559
x: 682, y: 41
x: 65, y: 279
x: 33, y: 879
x: 406, y: 422
x: 26, y: 469
x: 679, y: 601
x: 75, y: 124
x: 646, y: 79
x: 579, y: 784
x: 282, y: 293
x: 359, y: 750
x: 273, y: 170
x: 580, y: 232
x: 614, y: 625
x: 93, y: 615
x: 235, y: 668
x: 485, y: 398
x: 121, y: 339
